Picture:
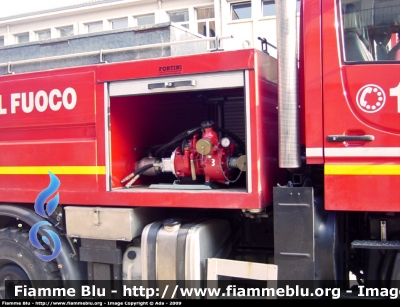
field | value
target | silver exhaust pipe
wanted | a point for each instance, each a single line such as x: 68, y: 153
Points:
x: 288, y: 106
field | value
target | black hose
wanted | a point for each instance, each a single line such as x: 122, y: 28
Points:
x: 141, y: 170
x: 176, y: 139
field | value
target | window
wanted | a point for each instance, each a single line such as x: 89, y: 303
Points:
x: 181, y: 18
x: 65, y: 31
x: 145, y: 20
x: 269, y: 8
x: 94, y: 26
x: 1, y: 40
x: 241, y: 10
x: 370, y: 34
x: 22, y: 38
x: 43, y: 34
x: 206, y: 23
x: 119, y: 23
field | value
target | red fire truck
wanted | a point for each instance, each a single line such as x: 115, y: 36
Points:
x: 145, y: 163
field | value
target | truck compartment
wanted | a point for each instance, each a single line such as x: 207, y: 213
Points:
x: 142, y: 119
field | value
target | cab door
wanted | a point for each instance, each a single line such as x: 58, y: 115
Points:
x: 361, y: 105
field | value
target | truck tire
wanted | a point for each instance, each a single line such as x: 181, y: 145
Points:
x: 19, y: 263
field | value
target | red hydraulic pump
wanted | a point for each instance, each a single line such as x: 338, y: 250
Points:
x: 209, y: 156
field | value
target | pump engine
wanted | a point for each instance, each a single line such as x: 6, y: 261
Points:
x: 207, y: 156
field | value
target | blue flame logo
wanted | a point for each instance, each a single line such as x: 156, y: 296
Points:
x: 50, y: 208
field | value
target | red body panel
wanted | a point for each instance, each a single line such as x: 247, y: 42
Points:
x: 310, y: 82
x: 202, y: 63
x: 40, y: 132
x: 72, y: 143
x: 359, y: 176
x: 265, y: 119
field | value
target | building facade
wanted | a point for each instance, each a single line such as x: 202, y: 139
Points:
x: 246, y: 21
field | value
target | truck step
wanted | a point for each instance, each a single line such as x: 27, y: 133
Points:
x: 375, y: 244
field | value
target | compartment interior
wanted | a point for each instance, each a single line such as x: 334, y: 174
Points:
x: 140, y: 122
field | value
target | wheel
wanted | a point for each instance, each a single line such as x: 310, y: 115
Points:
x: 19, y: 263
x: 16, y: 276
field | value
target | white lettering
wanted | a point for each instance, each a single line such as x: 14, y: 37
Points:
x: 69, y: 105
x: 396, y: 92
x: 39, y: 292
x: 41, y: 107
x: 2, y: 111
x: 55, y: 106
x: 18, y: 289
x: 27, y: 108
x: 41, y: 100
x: 15, y: 102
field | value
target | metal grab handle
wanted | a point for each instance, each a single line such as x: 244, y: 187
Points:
x: 347, y: 138
x: 171, y: 84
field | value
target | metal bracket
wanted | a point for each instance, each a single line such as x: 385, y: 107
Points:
x: 9, y: 69
x: 383, y: 231
x: 171, y: 84
x: 96, y: 217
x: 218, y: 43
x: 101, y: 55
x: 265, y: 44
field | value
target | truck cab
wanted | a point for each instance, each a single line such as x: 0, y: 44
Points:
x: 349, y: 85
